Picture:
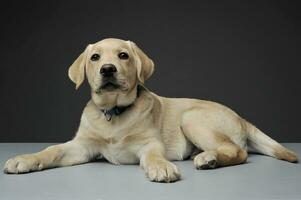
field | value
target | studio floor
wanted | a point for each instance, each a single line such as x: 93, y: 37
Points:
x: 261, y: 177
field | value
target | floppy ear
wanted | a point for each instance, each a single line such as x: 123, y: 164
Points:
x: 76, y: 71
x: 145, y: 66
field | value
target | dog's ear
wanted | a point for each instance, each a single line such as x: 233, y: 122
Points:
x: 76, y: 71
x: 145, y: 66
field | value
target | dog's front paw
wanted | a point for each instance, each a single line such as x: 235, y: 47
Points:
x: 163, y: 171
x: 22, y: 164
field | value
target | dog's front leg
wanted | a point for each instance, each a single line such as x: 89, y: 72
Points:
x: 69, y: 153
x: 156, y: 167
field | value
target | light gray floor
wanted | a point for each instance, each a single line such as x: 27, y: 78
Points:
x: 261, y: 177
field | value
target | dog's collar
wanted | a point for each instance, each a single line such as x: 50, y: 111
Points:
x: 118, y: 110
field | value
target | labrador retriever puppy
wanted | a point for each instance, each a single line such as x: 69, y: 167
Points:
x: 127, y: 124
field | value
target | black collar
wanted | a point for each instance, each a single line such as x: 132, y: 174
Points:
x: 118, y: 110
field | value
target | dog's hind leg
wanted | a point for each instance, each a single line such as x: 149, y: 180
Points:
x: 218, y: 148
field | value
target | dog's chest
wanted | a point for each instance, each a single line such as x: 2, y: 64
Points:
x: 111, y: 141
x: 115, y: 150
x: 119, y: 154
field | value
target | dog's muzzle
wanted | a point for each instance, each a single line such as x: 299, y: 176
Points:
x: 108, y: 80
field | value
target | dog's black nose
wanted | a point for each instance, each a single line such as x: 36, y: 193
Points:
x: 108, y: 70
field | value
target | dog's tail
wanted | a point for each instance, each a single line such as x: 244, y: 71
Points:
x: 263, y: 144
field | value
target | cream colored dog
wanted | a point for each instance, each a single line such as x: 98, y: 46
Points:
x: 127, y: 124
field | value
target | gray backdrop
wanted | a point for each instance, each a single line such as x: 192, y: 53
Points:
x: 244, y: 55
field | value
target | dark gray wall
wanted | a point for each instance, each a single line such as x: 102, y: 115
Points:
x: 244, y: 55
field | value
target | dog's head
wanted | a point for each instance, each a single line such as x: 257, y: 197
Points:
x: 111, y: 65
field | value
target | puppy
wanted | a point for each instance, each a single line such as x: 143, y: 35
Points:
x: 127, y: 124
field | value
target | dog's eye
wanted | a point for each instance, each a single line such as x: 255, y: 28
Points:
x: 95, y: 57
x: 123, y: 56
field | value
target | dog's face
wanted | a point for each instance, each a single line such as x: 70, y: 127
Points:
x: 111, y: 65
